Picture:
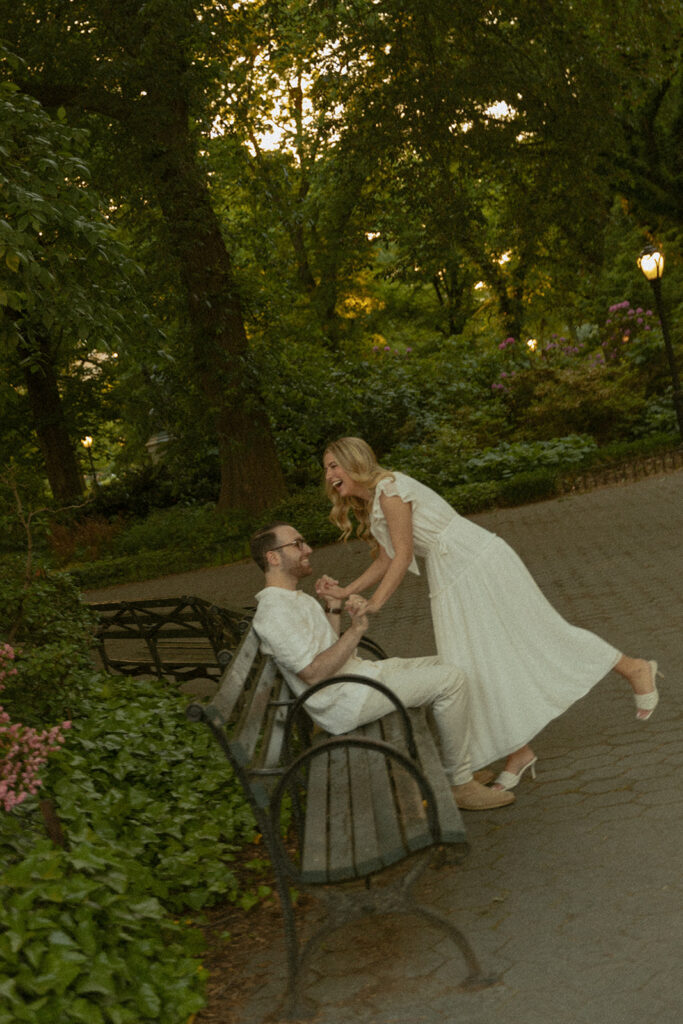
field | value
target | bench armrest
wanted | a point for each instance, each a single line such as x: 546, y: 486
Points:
x: 374, y: 684
x: 372, y: 647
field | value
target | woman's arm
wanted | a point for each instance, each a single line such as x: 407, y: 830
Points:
x: 399, y: 518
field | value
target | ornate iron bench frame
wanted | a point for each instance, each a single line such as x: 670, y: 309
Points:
x: 181, y: 638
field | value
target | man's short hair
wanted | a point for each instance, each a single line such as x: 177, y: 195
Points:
x: 263, y: 541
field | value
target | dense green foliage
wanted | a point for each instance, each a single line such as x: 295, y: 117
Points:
x: 151, y: 821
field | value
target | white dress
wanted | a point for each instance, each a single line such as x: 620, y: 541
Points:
x: 525, y: 664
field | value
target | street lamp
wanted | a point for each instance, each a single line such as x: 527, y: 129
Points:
x: 87, y: 444
x: 651, y: 262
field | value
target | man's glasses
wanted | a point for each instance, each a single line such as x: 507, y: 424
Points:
x: 300, y: 543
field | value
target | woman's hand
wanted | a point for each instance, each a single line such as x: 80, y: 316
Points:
x: 327, y: 587
x: 357, y: 608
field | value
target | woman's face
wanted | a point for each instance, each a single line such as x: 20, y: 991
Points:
x: 337, y: 478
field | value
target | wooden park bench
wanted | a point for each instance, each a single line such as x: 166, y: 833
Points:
x: 179, y: 638
x: 360, y: 804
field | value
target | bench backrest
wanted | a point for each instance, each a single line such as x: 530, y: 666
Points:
x: 247, y: 717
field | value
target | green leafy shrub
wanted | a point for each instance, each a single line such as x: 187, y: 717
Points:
x: 535, y: 485
x: 51, y: 629
x: 508, y: 460
x: 136, y: 493
x: 135, y: 773
x: 176, y: 539
x: 440, y: 460
x: 643, y: 447
x: 83, y: 941
x: 200, y: 527
x: 604, y: 402
x: 469, y: 498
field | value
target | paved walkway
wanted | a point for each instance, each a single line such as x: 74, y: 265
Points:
x: 574, y: 894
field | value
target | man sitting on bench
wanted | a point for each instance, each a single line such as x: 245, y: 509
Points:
x: 305, y: 641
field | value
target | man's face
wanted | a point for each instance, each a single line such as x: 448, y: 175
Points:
x: 293, y: 551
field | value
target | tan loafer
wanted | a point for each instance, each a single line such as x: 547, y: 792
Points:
x: 472, y: 796
x: 484, y: 776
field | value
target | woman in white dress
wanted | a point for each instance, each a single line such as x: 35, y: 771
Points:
x: 524, y: 662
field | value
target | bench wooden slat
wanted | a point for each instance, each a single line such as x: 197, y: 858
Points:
x: 389, y: 837
x: 314, y: 866
x: 270, y: 755
x: 412, y: 812
x: 340, y: 858
x: 366, y: 851
x: 251, y: 723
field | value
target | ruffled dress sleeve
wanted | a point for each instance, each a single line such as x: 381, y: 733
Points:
x: 398, y: 486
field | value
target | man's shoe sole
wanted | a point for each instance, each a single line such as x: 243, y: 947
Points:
x: 487, y: 806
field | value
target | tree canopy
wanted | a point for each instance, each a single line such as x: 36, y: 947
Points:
x: 299, y: 180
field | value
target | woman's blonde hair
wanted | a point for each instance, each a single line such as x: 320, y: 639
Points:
x: 356, y: 458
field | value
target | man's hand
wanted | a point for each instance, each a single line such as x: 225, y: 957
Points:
x: 356, y: 606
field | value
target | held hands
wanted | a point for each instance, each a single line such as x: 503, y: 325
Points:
x: 357, y: 606
x: 327, y: 587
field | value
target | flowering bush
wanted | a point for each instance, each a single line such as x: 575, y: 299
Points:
x: 622, y: 326
x: 559, y: 346
x: 23, y: 750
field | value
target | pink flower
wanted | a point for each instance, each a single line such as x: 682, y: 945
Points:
x: 23, y: 750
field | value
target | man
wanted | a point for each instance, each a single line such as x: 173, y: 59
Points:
x: 305, y: 641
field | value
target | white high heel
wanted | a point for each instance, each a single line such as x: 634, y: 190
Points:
x: 648, y: 701
x: 508, y: 780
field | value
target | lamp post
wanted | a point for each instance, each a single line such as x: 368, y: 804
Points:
x: 87, y: 444
x: 651, y: 262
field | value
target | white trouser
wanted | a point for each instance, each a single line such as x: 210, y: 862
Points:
x: 416, y: 682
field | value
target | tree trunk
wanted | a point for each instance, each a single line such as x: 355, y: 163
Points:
x: 251, y: 477
x: 136, y: 70
x: 61, y: 465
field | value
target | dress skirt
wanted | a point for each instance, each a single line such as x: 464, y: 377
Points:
x: 525, y: 664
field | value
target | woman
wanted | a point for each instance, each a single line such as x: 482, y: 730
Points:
x: 525, y: 664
